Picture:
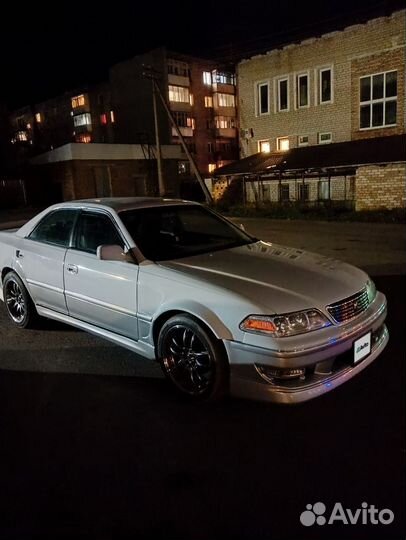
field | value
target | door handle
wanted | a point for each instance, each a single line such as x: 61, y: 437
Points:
x: 19, y: 254
x: 72, y: 269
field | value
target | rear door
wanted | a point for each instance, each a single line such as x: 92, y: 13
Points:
x: 42, y: 255
x: 103, y: 293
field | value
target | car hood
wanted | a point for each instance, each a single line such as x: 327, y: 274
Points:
x: 273, y: 277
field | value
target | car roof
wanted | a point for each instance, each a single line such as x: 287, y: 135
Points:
x: 127, y: 203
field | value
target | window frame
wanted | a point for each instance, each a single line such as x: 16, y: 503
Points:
x: 298, y: 76
x: 318, y: 88
x: 75, y: 211
x: 278, y: 81
x: 301, y: 143
x: 94, y: 212
x: 258, y: 86
x: 279, y: 139
x: 264, y: 141
x: 319, y: 141
x: 384, y: 100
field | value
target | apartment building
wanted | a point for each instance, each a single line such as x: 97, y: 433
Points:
x: 335, y: 89
x: 201, y: 96
x: 82, y: 115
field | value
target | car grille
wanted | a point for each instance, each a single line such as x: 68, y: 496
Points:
x: 349, y: 307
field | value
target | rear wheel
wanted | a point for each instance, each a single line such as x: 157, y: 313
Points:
x: 192, y: 358
x: 19, y: 305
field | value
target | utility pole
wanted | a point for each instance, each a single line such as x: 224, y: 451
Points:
x: 161, y: 183
x: 157, y: 90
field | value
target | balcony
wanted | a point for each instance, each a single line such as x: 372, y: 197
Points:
x: 229, y: 133
x: 185, y: 131
x: 178, y: 80
x: 223, y: 88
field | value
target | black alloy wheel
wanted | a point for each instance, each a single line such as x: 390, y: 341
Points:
x: 19, y: 305
x: 192, y: 359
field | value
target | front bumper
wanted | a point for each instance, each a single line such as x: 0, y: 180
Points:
x: 336, y: 353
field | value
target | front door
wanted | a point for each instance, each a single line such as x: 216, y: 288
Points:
x: 103, y: 293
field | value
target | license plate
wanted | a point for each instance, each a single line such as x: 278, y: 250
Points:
x: 362, y: 347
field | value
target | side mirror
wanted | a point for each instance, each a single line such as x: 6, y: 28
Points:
x: 114, y: 253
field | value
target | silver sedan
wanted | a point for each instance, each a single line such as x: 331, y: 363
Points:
x: 174, y: 281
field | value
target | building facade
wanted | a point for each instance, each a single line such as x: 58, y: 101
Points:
x: 326, y: 93
x: 201, y: 97
x: 342, y: 86
x: 82, y: 115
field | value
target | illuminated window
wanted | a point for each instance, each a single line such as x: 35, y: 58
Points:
x: 223, y: 77
x: 183, y: 167
x: 302, y: 90
x: 224, y: 122
x: 78, y: 101
x: 325, y: 138
x: 212, y: 167
x: 263, y: 98
x: 82, y: 120
x: 378, y: 100
x: 38, y: 117
x: 208, y: 101
x: 282, y: 95
x: 112, y: 118
x: 83, y: 138
x: 179, y: 94
x: 325, y: 85
x: 103, y: 119
x: 207, y: 77
x: 182, y: 119
x: 21, y: 136
x: 191, y: 100
x: 264, y: 146
x: 282, y: 143
x: 28, y: 126
x: 303, y: 140
x: 225, y: 100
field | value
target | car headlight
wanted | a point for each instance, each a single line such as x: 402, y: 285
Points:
x: 371, y: 291
x: 288, y: 324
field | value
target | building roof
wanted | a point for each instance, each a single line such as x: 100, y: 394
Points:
x: 324, y: 156
x: 104, y: 151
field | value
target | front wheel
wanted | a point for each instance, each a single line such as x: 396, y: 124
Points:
x: 192, y: 359
x: 19, y: 305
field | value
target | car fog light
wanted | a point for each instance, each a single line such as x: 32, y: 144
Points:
x: 270, y: 373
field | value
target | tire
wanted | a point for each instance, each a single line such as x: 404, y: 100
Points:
x: 20, y: 308
x: 192, y: 359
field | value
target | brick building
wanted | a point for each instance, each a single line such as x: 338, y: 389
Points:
x: 341, y: 87
x: 77, y: 171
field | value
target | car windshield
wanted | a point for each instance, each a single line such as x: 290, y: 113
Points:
x: 172, y: 232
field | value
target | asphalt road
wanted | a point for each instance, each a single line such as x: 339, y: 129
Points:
x: 94, y: 443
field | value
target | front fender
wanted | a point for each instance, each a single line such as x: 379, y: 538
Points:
x: 198, y: 310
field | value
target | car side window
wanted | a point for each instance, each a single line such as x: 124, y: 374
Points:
x: 55, y: 228
x: 94, y: 230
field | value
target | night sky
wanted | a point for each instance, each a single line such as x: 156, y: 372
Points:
x: 47, y: 50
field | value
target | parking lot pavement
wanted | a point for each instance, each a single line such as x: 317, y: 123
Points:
x: 378, y: 248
